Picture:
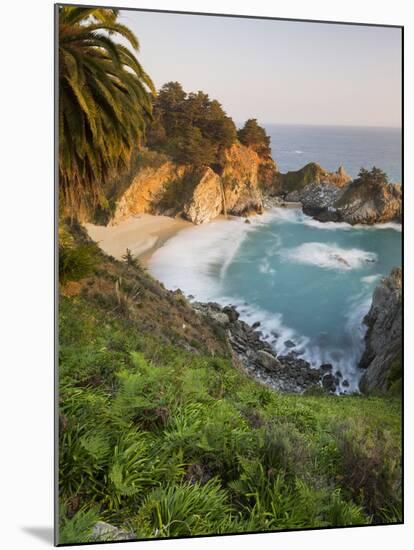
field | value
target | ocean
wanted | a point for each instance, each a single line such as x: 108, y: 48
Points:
x: 308, y: 283
x: 293, y: 146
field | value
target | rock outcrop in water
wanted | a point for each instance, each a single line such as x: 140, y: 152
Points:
x: 292, y: 183
x: 368, y: 203
x: 198, y: 194
x: 316, y: 197
x: 358, y: 202
x: 382, y: 357
x: 333, y: 196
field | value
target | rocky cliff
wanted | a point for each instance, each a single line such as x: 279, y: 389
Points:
x: 382, y: 357
x: 356, y: 202
x: 198, y: 194
x: 293, y: 183
x: 374, y: 202
x: 147, y: 189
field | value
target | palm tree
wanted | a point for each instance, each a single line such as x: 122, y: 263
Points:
x: 104, y: 101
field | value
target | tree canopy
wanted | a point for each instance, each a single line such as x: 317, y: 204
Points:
x: 376, y: 175
x: 191, y: 127
x: 104, y: 102
x: 254, y: 136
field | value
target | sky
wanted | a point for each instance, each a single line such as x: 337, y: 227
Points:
x: 283, y: 72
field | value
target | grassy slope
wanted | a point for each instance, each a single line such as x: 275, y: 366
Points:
x: 165, y: 438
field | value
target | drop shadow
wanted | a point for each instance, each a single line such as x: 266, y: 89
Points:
x: 44, y: 534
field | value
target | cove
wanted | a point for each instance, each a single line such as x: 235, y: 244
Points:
x: 309, y: 284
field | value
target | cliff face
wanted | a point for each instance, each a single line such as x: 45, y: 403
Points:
x: 146, y: 190
x: 357, y: 202
x: 293, y: 183
x: 198, y: 194
x: 240, y: 177
x: 383, y: 341
x: 376, y: 202
x: 206, y: 200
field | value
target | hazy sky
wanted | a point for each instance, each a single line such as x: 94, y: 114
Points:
x: 277, y: 71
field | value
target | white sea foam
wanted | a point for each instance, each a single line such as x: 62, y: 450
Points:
x: 277, y: 333
x: 295, y: 215
x: 196, y: 259
x: 271, y: 326
x: 330, y: 226
x: 388, y: 225
x: 370, y: 278
x: 264, y: 267
x: 328, y: 256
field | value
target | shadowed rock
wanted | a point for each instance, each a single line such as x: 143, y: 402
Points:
x: 383, y: 341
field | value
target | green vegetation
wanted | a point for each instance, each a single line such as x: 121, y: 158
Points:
x: 162, y: 441
x: 376, y: 175
x: 365, y: 186
x: 298, y: 179
x: 395, y: 377
x: 104, y: 102
x: 254, y: 136
x: 191, y: 128
x: 76, y: 260
x: 158, y: 432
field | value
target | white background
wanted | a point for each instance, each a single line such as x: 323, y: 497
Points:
x: 26, y: 285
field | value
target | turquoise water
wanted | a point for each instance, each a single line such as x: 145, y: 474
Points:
x: 309, y: 284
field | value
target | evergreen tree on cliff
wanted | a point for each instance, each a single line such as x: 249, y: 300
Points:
x: 254, y: 136
x: 191, y: 128
x: 376, y: 175
x: 104, y: 102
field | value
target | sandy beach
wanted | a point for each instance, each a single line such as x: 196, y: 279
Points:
x: 142, y: 234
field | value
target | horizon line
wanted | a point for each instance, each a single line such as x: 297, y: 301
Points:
x: 313, y: 124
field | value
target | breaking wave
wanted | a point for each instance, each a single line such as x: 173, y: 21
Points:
x: 246, y: 265
x: 328, y: 256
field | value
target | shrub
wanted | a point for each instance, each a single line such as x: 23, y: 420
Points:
x: 77, y: 262
x: 370, y: 469
x: 130, y: 259
x: 183, y: 510
x: 78, y: 528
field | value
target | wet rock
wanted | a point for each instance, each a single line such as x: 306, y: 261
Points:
x: 268, y: 361
x: 231, y: 313
x: 326, y: 367
x: 289, y: 344
x: 288, y: 373
x: 329, y: 382
x: 256, y: 325
x: 345, y: 383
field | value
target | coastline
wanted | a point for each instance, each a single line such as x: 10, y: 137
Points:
x: 143, y: 234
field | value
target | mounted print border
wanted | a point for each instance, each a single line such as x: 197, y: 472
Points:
x: 229, y: 274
